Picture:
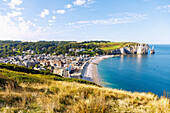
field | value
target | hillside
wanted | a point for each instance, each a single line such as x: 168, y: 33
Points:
x: 26, y: 92
x: 13, y: 48
x: 22, y: 73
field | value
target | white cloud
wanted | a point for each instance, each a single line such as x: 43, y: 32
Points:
x: 44, y: 13
x: 53, y: 17
x: 24, y: 26
x: 122, y: 19
x: 19, y: 9
x: 165, y: 8
x: 54, y: 11
x: 90, y: 1
x: 5, y: 0
x: 21, y: 30
x: 20, y: 19
x: 83, y: 2
x: 68, y: 6
x: 3, y: 8
x: 15, y: 3
x: 79, y: 2
x: 14, y: 14
x: 51, y: 21
x: 13, y: 26
x: 61, y: 11
x: 35, y: 19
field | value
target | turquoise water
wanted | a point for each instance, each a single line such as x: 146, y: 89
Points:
x: 142, y: 73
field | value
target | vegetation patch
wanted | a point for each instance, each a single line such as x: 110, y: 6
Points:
x: 60, y: 96
x: 13, y: 48
x: 25, y: 69
x: 29, y: 77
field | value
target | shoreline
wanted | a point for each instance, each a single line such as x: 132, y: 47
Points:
x: 90, y: 71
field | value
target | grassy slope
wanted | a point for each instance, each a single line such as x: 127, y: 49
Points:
x: 22, y: 72
x: 111, y: 45
x: 23, y: 92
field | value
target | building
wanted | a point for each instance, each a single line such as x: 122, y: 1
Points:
x: 71, y: 50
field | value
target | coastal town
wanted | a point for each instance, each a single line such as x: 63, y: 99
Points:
x: 66, y: 66
x: 78, y: 66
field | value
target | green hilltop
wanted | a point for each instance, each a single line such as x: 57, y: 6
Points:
x: 13, y: 48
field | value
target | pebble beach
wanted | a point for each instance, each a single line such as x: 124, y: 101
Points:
x: 90, y: 70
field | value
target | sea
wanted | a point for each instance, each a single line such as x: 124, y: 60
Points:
x: 138, y: 73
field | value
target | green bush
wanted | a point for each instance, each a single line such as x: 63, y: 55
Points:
x: 25, y: 69
x: 22, y: 77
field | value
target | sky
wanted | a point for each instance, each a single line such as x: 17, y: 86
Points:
x: 144, y: 21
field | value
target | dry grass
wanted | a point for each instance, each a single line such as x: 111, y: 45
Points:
x: 21, y: 92
x: 57, y: 96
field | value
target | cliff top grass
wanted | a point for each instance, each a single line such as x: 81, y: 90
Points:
x: 109, y: 46
x: 23, y: 92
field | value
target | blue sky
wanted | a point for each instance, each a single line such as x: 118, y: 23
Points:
x: 115, y: 20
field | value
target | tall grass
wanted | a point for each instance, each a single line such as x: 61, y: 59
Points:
x: 50, y: 96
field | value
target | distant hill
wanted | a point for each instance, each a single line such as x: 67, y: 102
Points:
x: 12, y: 48
x: 30, y: 92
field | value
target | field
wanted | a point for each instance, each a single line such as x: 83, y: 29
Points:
x: 23, y: 92
x: 109, y: 46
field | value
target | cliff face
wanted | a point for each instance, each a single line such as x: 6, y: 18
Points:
x: 23, y: 92
x: 134, y: 49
